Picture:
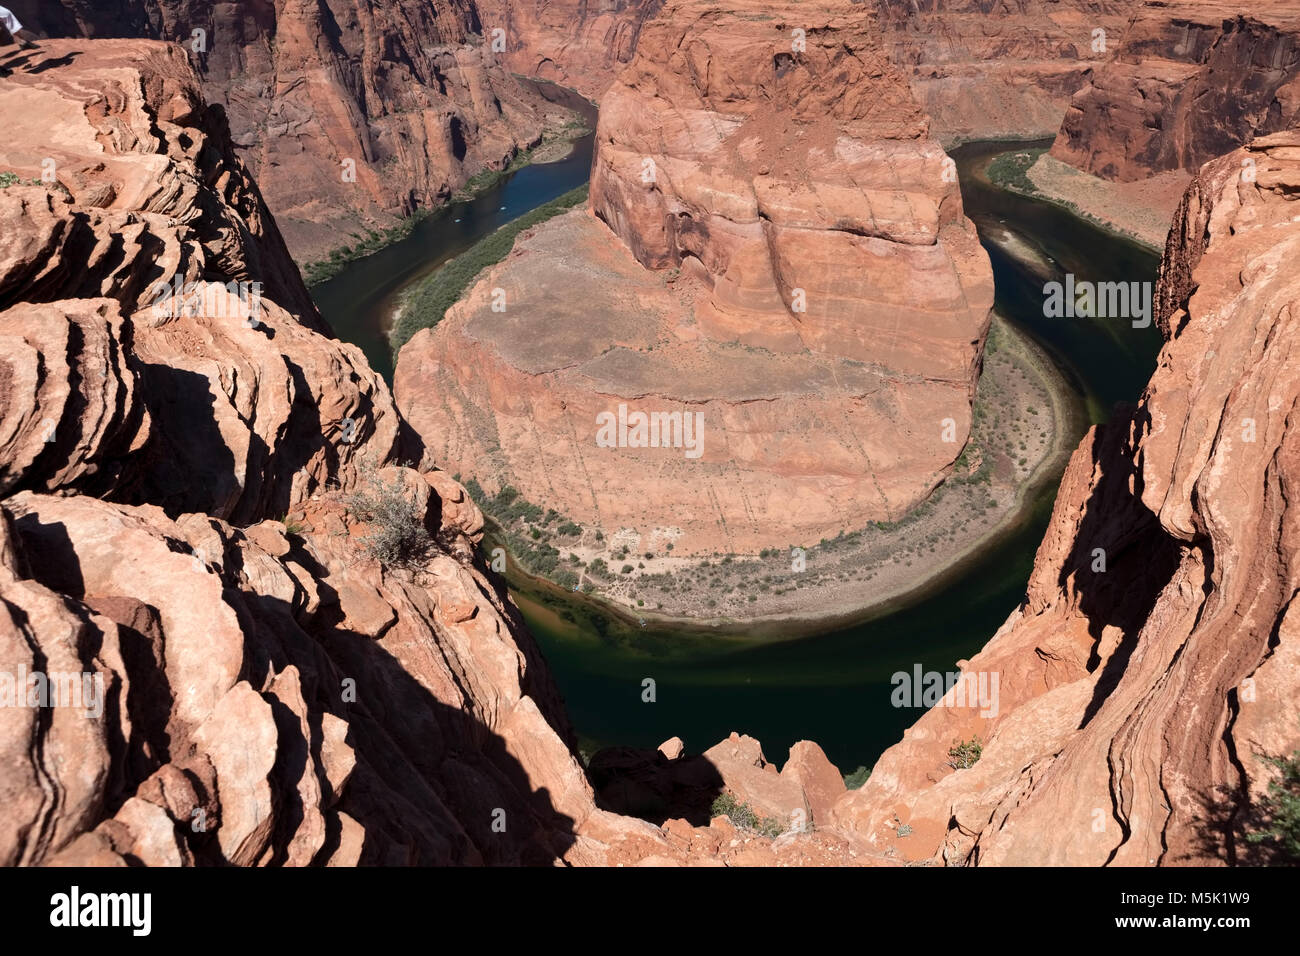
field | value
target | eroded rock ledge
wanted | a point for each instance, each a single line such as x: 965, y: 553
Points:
x: 350, y: 115
x: 1190, y: 80
x: 227, y: 673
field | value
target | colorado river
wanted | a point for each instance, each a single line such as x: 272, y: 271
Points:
x: 830, y: 685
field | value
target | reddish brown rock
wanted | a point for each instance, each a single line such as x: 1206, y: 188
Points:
x: 576, y: 43
x: 786, y: 262
x: 819, y: 781
x: 672, y: 748
x: 1191, y: 80
x: 986, y: 71
x: 1136, y: 704
x: 406, y: 94
x: 220, y: 686
x: 116, y: 385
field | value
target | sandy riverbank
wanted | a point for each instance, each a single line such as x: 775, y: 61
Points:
x: 1140, y: 211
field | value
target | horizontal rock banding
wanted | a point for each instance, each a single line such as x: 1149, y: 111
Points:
x: 789, y: 260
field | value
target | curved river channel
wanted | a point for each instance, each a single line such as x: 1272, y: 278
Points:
x: 828, y: 683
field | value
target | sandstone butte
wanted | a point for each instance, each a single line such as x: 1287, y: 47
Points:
x: 1188, y: 81
x: 407, y: 92
x: 773, y: 243
x: 1141, y: 698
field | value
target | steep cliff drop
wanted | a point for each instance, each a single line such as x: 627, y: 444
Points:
x: 234, y: 629
x: 775, y: 253
x: 350, y: 115
x: 1154, y: 662
x: 178, y: 528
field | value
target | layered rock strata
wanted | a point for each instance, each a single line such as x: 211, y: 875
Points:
x: 350, y: 115
x: 983, y: 72
x: 581, y: 44
x: 1191, y: 80
x: 1152, y: 668
x: 210, y: 652
x: 782, y: 263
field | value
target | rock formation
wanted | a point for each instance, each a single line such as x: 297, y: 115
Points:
x: 206, y: 655
x: 1154, y: 662
x: 979, y: 72
x: 774, y: 248
x: 349, y: 115
x: 985, y: 71
x: 1191, y: 80
x: 581, y: 44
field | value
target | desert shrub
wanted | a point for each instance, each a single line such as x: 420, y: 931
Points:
x: 857, y: 778
x: 1280, y: 811
x: 964, y: 754
x: 744, y: 816
x: 396, y: 536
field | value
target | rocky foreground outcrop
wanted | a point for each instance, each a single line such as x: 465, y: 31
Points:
x: 351, y: 114
x: 776, y: 251
x: 1155, y: 660
x: 1191, y: 80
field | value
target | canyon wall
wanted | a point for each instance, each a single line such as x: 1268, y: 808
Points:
x: 349, y: 114
x: 581, y: 44
x: 1191, y: 81
x: 774, y: 246
x: 1153, y: 664
x: 979, y: 72
x: 985, y: 71
x: 176, y: 527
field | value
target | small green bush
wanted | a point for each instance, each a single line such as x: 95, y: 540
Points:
x: 857, y: 778
x: 744, y: 816
x: 397, y: 536
x: 964, y: 754
x: 1281, y: 809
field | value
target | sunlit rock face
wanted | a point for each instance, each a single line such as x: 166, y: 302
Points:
x: 773, y: 242
x: 349, y: 114
x: 1153, y: 665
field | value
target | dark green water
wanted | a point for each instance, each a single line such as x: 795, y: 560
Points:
x: 786, y: 683
x: 358, y: 303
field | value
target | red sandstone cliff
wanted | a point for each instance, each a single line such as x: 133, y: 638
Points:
x: 1138, y: 697
x: 1192, y: 80
x: 978, y: 71
x: 268, y: 692
x: 406, y: 92
x: 984, y: 71
x: 778, y: 247
x: 582, y: 44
